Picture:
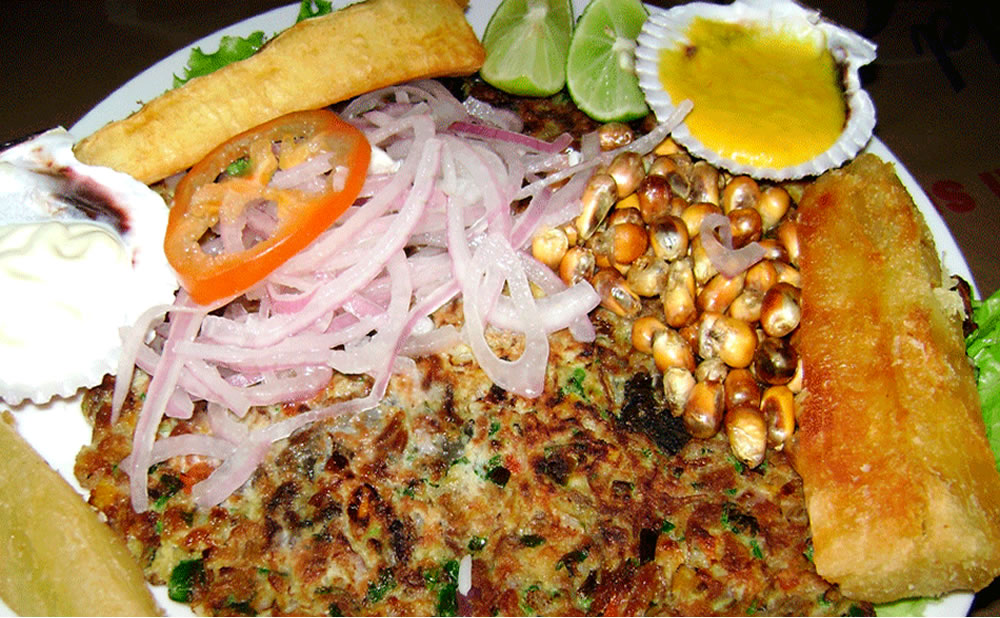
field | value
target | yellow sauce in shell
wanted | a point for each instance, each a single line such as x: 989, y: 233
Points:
x: 761, y: 97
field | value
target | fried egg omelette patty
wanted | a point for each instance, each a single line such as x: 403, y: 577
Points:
x: 590, y: 499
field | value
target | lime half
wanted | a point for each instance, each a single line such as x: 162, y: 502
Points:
x: 600, y: 69
x: 526, y: 42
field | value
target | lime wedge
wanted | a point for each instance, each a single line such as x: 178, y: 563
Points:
x: 600, y: 69
x: 526, y: 43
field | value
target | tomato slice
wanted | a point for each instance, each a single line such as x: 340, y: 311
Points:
x: 232, y: 185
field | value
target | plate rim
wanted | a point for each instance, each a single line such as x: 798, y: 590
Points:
x: 157, y: 78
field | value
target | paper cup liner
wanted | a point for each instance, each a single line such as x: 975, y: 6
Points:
x: 667, y: 29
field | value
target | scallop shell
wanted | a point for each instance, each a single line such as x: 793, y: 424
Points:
x: 667, y: 28
x: 58, y: 215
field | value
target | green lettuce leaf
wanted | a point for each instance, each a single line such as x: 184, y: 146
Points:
x: 231, y: 49
x: 903, y: 607
x: 983, y: 347
x: 234, y: 48
x: 313, y: 8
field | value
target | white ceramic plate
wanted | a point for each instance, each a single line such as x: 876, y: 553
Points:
x: 60, y: 447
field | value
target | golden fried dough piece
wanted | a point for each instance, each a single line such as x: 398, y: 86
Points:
x: 315, y: 63
x: 56, y: 557
x: 901, y: 489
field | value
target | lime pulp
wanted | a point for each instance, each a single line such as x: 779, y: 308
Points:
x: 600, y: 67
x: 526, y: 43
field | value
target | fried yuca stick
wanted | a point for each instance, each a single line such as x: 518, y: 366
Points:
x: 56, y: 557
x: 317, y: 62
x: 900, y: 484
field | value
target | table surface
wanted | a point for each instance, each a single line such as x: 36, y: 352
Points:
x: 935, y: 85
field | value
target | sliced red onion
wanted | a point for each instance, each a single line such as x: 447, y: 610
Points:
x: 184, y: 326
x: 498, y: 117
x: 230, y: 476
x: 433, y: 221
x: 644, y: 144
x: 188, y: 444
x: 224, y: 426
x: 132, y: 341
x: 477, y: 130
x: 717, y: 239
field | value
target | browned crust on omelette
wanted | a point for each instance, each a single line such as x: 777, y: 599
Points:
x: 589, y: 515
x: 315, y: 63
x: 900, y: 484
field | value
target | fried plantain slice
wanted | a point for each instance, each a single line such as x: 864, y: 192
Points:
x: 315, y: 63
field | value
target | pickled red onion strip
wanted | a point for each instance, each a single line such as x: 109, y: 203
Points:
x: 717, y: 239
x: 477, y: 130
x: 183, y: 327
x: 433, y: 223
x: 132, y: 341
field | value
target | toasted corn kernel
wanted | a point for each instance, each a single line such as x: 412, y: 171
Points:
x: 683, y: 161
x: 677, y: 385
x: 614, y: 135
x: 704, y: 183
x: 761, y: 276
x: 747, y: 433
x: 777, y: 404
x: 728, y: 339
x: 671, y: 350
x: 780, y: 311
x: 599, y: 197
x: 772, y: 205
x: 648, y: 275
x: 720, y: 292
x: 795, y: 385
x: 788, y: 274
x: 578, y: 264
x: 675, y: 173
x: 615, y: 293
x: 745, y: 226
x: 678, y: 307
x: 549, y: 246
x: 694, y: 214
x: 602, y: 244
x: 703, y: 412
x: 630, y: 202
x: 773, y: 250
x: 629, y: 242
x: 669, y: 238
x: 711, y: 370
x: 571, y: 234
x: 654, y: 197
x: 624, y: 215
x: 775, y: 361
x: 678, y: 298
x: 678, y: 205
x: 701, y: 264
x: 663, y: 166
x: 741, y: 388
x: 667, y: 147
x: 788, y: 235
x: 690, y: 334
x: 740, y: 192
x: 643, y: 331
x: 627, y: 170
x: 747, y: 305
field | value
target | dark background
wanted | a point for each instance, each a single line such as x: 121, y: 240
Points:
x: 936, y: 86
